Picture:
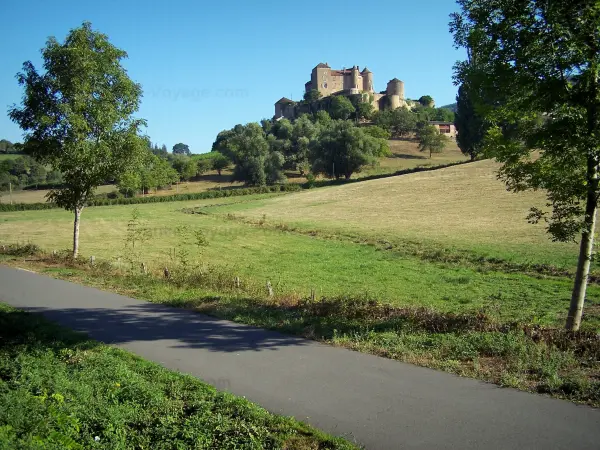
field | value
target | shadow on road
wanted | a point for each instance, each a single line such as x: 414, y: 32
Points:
x: 151, y: 322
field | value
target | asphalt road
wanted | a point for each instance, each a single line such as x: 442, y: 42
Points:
x: 376, y: 402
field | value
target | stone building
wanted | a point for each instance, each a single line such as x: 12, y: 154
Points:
x: 446, y: 128
x: 348, y: 82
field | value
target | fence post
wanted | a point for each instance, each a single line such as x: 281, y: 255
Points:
x: 236, y: 282
x: 92, y: 260
x: 269, y: 289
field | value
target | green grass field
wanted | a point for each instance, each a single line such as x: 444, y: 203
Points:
x: 438, y: 248
x: 61, y: 390
x: 434, y: 210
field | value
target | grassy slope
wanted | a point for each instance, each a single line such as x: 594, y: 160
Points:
x: 61, y: 390
x: 463, y: 207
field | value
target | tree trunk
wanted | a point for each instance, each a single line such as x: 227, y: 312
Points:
x: 76, y: 232
x: 585, y: 250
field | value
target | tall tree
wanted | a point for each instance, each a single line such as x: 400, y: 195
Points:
x: 181, y: 149
x: 469, y: 124
x: 77, y: 116
x: 533, y: 71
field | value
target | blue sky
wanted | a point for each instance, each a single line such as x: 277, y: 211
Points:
x: 206, y: 66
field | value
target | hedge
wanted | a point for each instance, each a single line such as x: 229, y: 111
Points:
x: 4, y: 207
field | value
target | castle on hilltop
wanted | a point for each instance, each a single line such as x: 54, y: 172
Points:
x: 348, y: 82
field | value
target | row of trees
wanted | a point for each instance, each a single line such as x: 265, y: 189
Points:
x: 312, y: 143
x: 8, y: 147
x: 158, y: 169
x: 402, y: 121
x: 24, y: 171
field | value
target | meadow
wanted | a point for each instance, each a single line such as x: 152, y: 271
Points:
x: 392, y: 239
x: 434, y: 268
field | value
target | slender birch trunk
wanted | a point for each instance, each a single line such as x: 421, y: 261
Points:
x: 585, y: 250
x: 76, y: 232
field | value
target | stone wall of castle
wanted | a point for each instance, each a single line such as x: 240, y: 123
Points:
x: 346, y: 82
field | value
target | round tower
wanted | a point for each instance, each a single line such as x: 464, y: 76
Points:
x: 367, y: 80
x: 355, y: 89
x: 395, y: 92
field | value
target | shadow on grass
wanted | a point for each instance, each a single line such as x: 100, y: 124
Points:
x: 176, y: 328
x: 406, y: 156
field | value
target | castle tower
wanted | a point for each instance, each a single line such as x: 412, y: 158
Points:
x: 355, y: 89
x: 367, y: 77
x: 395, y: 92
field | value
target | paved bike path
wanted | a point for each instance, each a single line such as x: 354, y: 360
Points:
x: 376, y: 402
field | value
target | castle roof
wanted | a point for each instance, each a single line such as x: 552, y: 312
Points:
x: 322, y: 66
x: 394, y: 80
x: 365, y: 70
x: 284, y: 100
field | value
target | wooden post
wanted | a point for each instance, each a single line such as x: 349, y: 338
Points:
x: 313, y: 296
x: 144, y: 269
x: 269, y: 289
x: 236, y: 282
x: 10, y: 191
x: 167, y: 273
x: 92, y: 260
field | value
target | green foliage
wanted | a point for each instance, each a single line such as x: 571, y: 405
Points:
x: 377, y: 132
x: 534, y: 75
x: 24, y: 171
x: 364, y: 111
x: 152, y: 173
x: 322, y: 117
x: 431, y: 140
x: 341, y: 108
x: 220, y: 162
x: 398, y: 122
x: 185, y: 166
x: 343, y: 149
x: 469, y: 125
x: 203, y: 166
x: 77, y: 116
x: 427, y: 101
x: 181, y: 149
x: 312, y: 96
x: 8, y: 147
x: 61, y: 390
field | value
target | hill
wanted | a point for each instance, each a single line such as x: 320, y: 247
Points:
x: 451, y: 106
x: 464, y: 207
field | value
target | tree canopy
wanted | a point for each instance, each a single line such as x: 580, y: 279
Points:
x: 341, y: 108
x: 533, y: 73
x: 77, y: 116
x: 181, y: 149
x: 430, y: 139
